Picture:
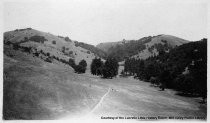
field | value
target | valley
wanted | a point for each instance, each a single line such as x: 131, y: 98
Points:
x: 40, y: 83
x: 62, y: 94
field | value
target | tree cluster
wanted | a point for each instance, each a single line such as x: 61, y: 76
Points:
x: 109, y: 69
x: 80, y: 68
x: 184, y: 68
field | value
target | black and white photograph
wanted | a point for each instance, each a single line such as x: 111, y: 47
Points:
x: 104, y: 60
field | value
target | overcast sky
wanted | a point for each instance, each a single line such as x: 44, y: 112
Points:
x: 96, y: 21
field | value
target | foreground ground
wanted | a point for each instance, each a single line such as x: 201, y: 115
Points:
x: 34, y: 89
x: 127, y: 97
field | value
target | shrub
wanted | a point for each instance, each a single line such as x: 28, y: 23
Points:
x: 67, y: 39
x: 48, y: 59
x: 53, y: 42
x: 48, y: 54
x: 63, y: 49
x: 88, y: 52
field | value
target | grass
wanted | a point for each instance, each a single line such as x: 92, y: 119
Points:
x: 21, y: 100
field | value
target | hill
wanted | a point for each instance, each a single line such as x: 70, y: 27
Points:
x: 106, y: 46
x: 183, y: 68
x: 142, y: 48
x: 57, y: 47
x: 34, y: 89
x: 92, y: 48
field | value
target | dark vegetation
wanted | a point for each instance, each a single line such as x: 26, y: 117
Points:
x: 81, y: 67
x: 91, y: 48
x: 96, y: 67
x: 109, y: 69
x: 127, y: 49
x: 184, y: 68
x: 67, y: 39
x: 23, y: 29
x: 66, y: 52
x: 161, y: 47
x: 39, y: 39
x: 53, y: 42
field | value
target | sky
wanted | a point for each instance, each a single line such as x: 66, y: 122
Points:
x: 97, y: 21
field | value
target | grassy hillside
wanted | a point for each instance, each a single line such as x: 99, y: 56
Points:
x: 106, y: 46
x: 57, y: 46
x: 36, y: 89
x: 98, y: 52
x: 142, y: 48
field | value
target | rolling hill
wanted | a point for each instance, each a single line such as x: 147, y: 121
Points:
x: 92, y: 48
x: 55, y: 46
x: 142, y: 48
x: 38, y: 82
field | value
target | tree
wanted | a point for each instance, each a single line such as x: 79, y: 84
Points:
x: 81, y: 67
x: 110, y: 68
x: 164, y: 78
x: 72, y: 63
x: 83, y: 63
x: 67, y: 39
x: 53, y: 42
x: 95, y: 66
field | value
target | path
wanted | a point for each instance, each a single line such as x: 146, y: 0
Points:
x: 99, y: 103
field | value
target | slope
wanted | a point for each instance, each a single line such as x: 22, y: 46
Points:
x: 142, y: 48
x: 36, y: 89
x: 57, y: 46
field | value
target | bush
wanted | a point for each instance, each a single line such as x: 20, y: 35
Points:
x: 53, y: 42
x: 48, y: 59
x: 88, y: 52
x: 67, y: 39
x: 48, y: 54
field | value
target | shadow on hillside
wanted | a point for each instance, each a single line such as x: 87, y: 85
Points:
x: 187, y: 94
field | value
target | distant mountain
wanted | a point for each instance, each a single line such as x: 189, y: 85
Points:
x: 142, y: 48
x: 55, y: 46
x: 106, y: 46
